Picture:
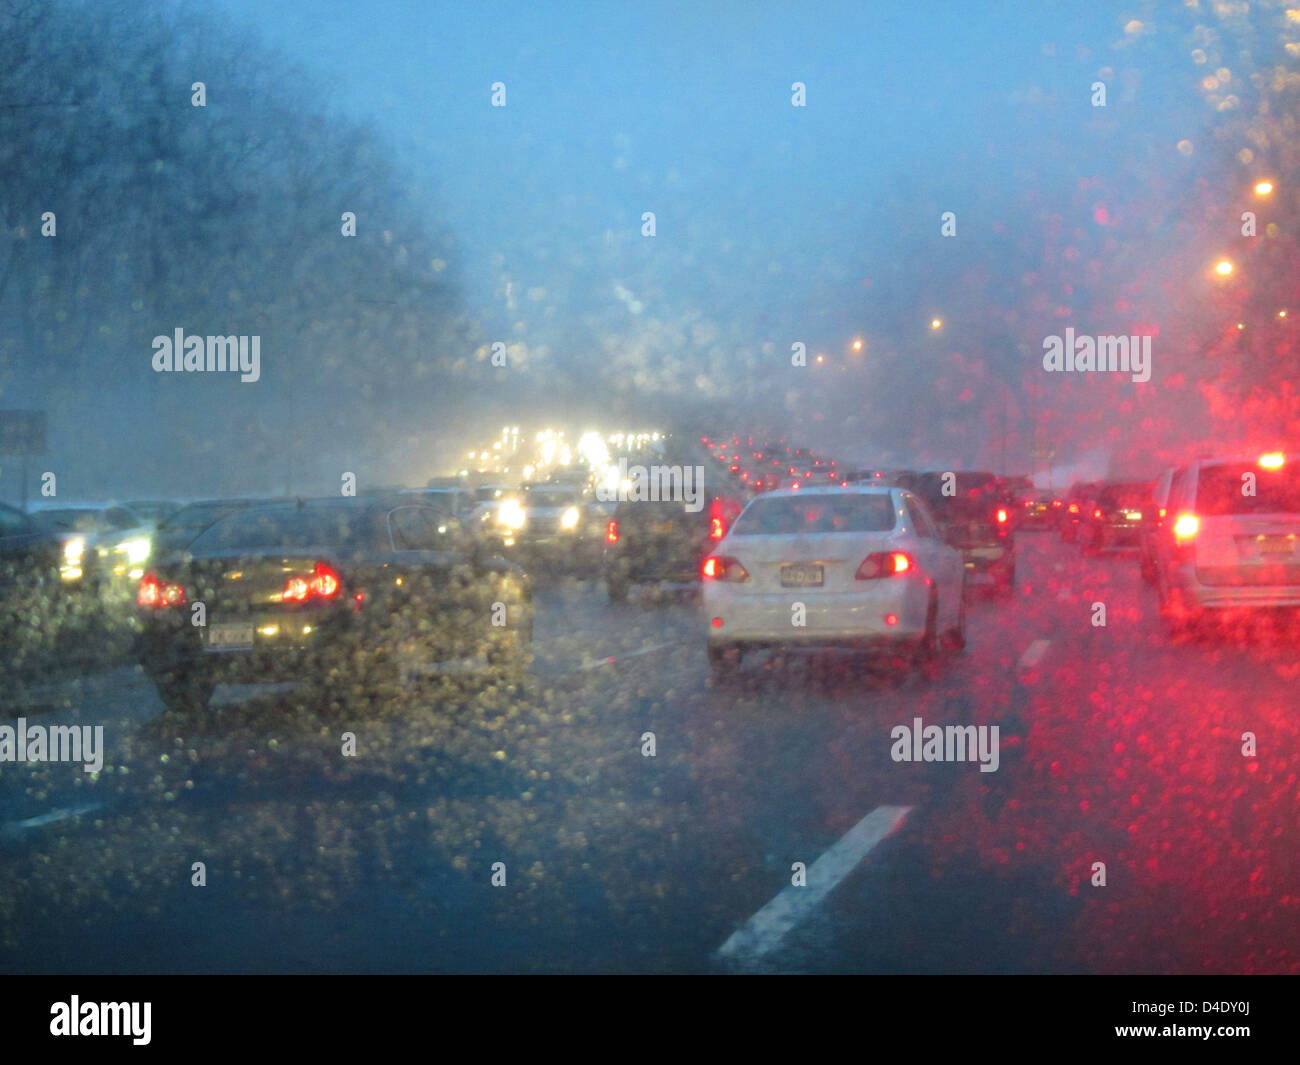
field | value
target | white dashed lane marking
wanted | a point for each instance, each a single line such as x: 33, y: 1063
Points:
x: 1034, y: 653
x: 763, y: 932
x: 611, y: 659
x: 14, y: 828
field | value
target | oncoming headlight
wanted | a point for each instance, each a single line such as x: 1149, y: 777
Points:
x: 569, y: 519
x: 511, y: 514
x: 137, y: 550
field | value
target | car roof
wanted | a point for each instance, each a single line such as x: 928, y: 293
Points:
x: 64, y: 505
x: 829, y: 490
x: 1229, y: 460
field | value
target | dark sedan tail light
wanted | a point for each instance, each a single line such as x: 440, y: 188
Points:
x: 322, y: 583
x: 157, y: 593
x: 611, y: 531
x: 717, y: 518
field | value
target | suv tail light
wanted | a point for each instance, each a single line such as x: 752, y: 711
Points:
x: 1001, y: 515
x: 717, y: 530
x: 1186, y: 528
x: 322, y: 583
x: 884, y: 564
x: 156, y: 592
x: 611, y: 531
x: 718, y: 568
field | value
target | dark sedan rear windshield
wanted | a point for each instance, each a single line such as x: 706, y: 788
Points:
x: 1223, y: 489
x: 199, y: 516
x: 973, y: 494
x: 257, y: 528
x: 1124, y: 495
x: 838, y: 512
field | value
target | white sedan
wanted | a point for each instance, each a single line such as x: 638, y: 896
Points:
x: 854, y: 566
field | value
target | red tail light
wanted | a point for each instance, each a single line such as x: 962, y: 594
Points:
x: 717, y: 568
x: 1074, y: 508
x: 1002, y: 515
x: 1186, y: 527
x: 158, y: 593
x: 718, y: 515
x: 323, y: 583
x: 1096, y: 513
x: 611, y: 531
x: 884, y: 564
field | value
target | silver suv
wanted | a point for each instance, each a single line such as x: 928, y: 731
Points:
x: 1229, y: 539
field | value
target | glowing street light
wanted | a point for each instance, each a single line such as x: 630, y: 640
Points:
x: 936, y: 323
x: 1223, y: 267
x: 1263, y: 188
x: 857, y: 345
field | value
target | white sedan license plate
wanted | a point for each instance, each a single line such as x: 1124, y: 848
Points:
x: 801, y: 576
x: 230, y: 636
x: 1275, y: 546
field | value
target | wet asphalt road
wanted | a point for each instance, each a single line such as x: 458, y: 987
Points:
x: 1117, y: 746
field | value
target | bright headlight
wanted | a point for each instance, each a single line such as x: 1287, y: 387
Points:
x: 511, y: 514
x: 569, y: 519
x: 137, y: 550
x: 73, y: 550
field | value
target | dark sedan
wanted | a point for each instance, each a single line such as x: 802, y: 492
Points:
x: 30, y: 592
x: 973, y: 510
x: 1036, y: 508
x: 1117, y: 517
x: 350, y: 595
x: 652, y: 542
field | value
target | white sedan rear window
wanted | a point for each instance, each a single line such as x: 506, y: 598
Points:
x: 817, y: 513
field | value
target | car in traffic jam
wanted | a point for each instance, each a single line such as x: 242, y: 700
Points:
x: 626, y: 489
x: 344, y: 594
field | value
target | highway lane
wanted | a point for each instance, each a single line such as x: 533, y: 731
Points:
x: 1116, y: 745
